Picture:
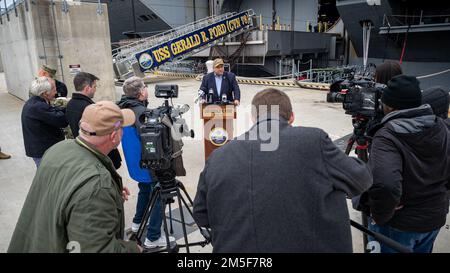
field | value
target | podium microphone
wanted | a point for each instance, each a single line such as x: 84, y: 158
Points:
x: 224, y: 99
x: 210, y: 95
x: 200, y: 95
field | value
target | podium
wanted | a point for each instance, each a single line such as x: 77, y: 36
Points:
x: 218, y: 122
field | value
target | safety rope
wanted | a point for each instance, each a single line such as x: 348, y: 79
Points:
x: 434, y: 74
x: 404, y: 45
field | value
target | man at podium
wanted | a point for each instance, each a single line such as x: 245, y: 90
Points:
x: 220, y: 86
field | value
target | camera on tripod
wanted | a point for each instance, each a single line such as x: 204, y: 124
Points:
x: 160, y: 129
x: 359, y: 98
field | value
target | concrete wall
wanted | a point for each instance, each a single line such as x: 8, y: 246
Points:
x: 19, y: 51
x: 1, y: 64
x: 31, y: 39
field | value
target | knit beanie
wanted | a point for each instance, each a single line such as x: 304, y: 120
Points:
x: 402, y: 92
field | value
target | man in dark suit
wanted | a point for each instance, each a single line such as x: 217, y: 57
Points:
x: 219, y: 83
x: 279, y: 188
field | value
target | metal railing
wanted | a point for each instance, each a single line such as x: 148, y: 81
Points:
x: 405, y: 20
x: 124, y: 52
x: 124, y: 56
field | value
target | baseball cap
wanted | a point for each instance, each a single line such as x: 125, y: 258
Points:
x: 49, y: 70
x: 217, y: 62
x: 104, y: 117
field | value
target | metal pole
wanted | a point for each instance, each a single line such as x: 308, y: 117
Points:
x: 279, y: 71
x: 99, y: 8
x: 6, y: 10
x: 15, y: 7
x: 195, y: 16
x: 310, y: 69
x: 57, y: 40
x: 274, y: 13
x: 293, y: 67
x: 134, y: 17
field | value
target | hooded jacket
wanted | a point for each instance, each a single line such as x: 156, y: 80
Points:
x: 411, y: 167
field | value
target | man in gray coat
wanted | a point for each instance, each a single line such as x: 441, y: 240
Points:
x: 279, y: 188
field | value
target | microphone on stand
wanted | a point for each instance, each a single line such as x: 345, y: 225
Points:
x: 200, y: 95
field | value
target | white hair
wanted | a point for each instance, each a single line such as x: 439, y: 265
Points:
x: 40, y: 85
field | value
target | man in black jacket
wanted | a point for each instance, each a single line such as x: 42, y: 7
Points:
x: 41, y: 122
x: 220, y: 83
x: 85, y: 87
x: 279, y: 188
x: 411, y: 166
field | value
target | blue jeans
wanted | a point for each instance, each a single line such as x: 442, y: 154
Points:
x: 37, y: 161
x: 417, y: 242
x: 155, y: 220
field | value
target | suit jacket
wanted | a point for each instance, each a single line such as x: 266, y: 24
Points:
x: 229, y: 86
x: 290, y: 199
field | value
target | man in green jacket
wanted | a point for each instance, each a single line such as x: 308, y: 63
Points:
x: 75, y: 203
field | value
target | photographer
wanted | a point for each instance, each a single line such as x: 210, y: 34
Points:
x: 289, y: 199
x: 136, y: 98
x: 411, y: 167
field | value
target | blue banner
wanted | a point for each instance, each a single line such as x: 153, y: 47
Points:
x: 166, y: 52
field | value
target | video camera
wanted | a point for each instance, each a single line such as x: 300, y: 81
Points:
x: 161, y: 131
x: 360, y: 98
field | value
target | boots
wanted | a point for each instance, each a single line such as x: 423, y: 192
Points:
x: 4, y: 156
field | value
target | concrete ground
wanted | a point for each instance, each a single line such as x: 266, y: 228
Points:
x: 16, y: 174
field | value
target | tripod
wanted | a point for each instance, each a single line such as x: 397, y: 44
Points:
x: 166, y: 190
x: 362, y: 151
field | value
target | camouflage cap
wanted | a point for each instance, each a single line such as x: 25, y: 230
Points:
x: 49, y: 70
x: 217, y: 62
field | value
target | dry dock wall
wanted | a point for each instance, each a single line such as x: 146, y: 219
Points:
x: 43, y: 33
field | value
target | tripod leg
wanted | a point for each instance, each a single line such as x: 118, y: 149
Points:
x: 208, y: 234
x: 171, y: 218
x: 183, y: 223
x: 156, y: 192
x: 364, y: 156
x: 166, y: 233
x: 349, y: 147
x: 181, y: 186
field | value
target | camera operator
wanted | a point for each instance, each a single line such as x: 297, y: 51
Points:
x: 411, y: 167
x: 76, y: 199
x: 136, y: 98
x: 289, y: 199
x: 383, y: 74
